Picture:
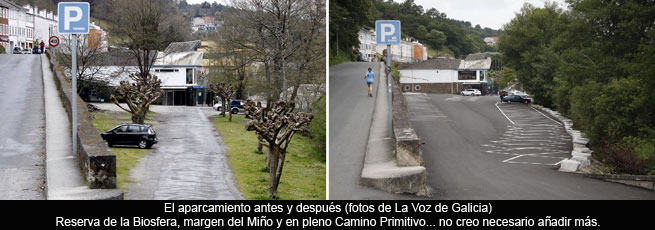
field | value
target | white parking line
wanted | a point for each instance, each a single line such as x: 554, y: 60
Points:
x: 501, y: 111
x: 544, y: 115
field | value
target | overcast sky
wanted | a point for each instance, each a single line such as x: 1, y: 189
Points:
x: 488, y: 13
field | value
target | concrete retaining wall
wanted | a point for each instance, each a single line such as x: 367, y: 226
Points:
x: 408, y: 152
x: 96, y: 161
x: 580, y: 155
x: 647, y: 182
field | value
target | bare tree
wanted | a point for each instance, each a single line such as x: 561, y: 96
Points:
x: 141, y: 22
x: 276, y: 127
x: 89, y: 60
x: 225, y: 91
x: 138, y: 95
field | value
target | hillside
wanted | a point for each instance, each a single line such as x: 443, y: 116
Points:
x: 441, y: 34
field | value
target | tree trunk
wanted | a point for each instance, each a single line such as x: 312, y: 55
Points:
x: 280, y: 166
x: 229, y: 110
x: 272, y: 180
x: 138, y: 117
x: 222, y: 106
x: 260, y: 146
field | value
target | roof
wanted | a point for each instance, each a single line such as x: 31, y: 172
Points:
x: 475, y: 64
x: 175, y: 47
x: 120, y: 58
x: 10, y: 5
x: 192, y: 58
x: 437, y: 63
x: 479, y: 56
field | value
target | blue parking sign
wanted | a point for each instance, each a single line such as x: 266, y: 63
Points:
x: 73, y: 17
x: 387, y: 32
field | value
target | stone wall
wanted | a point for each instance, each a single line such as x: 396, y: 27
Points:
x: 96, y: 161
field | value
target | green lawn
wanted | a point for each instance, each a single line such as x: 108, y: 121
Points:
x: 126, y: 157
x: 303, y: 177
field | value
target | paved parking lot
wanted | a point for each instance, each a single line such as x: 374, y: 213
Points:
x: 533, y: 139
x: 476, y: 148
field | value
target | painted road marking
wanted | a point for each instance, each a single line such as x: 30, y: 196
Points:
x: 501, y: 111
x: 531, y: 140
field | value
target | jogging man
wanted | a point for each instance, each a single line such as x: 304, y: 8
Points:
x: 369, y: 81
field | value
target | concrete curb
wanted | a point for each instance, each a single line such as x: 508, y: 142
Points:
x: 381, y: 169
x: 580, y: 155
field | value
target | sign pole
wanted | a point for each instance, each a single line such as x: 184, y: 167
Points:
x: 389, y: 76
x: 74, y: 91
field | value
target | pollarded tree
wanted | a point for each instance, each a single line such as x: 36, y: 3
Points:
x: 138, y: 95
x: 225, y: 91
x: 276, y: 126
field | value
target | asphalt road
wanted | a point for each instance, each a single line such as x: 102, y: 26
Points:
x: 351, y: 111
x: 473, y: 151
x: 188, y: 163
x: 22, y: 172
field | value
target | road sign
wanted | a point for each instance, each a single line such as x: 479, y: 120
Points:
x: 54, y: 41
x: 387, y: 32
x: 73, y: 17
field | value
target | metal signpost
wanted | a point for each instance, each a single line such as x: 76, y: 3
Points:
x: 388, y: 32
x: 73, y: 20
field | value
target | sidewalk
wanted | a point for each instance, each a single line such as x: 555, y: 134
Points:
x: 64, y: 177
x: 381, y: 169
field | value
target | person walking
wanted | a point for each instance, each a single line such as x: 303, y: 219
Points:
x: 370, y: 76
x: 42, y: 46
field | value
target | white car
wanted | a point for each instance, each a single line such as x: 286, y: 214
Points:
x: 471, y: 92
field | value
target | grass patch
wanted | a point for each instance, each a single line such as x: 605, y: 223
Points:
x: 126, y: 157
x: 304, y: 169
x: 341, y: 58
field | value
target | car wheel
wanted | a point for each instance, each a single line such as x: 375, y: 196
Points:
x: 218, y: 108
x: 110, y: 144
x: 143, y: 144
x: 235, y: 111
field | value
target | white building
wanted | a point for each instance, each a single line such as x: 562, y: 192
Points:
x: 17, y: 25
x: 45, y: 23
x: 177, y: 67
x: 206, y: 23
x: 447, y: 75
x: 407, y: 51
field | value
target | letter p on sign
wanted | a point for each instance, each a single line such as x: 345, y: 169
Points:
x: 387, y: 32
x: 73, y: 17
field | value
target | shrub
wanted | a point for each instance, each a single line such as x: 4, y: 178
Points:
x: 317, y: 126
x: 630, y: 155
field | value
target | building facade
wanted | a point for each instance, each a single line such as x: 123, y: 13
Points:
x: 447, y: 75
x: 45, y: 24
x: 408, y: 50
x: 4, y: 26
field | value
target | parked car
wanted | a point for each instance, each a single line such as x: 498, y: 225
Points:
x: 517, y: 98
x: 471, y: 92
x: 143, y: 136
x: 235, y: 105
x: 27, y: 51
x: 17, y: 50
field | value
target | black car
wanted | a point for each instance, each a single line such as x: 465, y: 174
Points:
x: 131, y: 134
x: 517, y: 98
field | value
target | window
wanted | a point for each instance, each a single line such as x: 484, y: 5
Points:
x: 189, y: 76
x: 134, y: 129
x: 466, y: 75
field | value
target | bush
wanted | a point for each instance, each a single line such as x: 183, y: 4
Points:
x: 317, y: 126
x: 343, y: 56
x: 2, y: 50
x: 630, y: 155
